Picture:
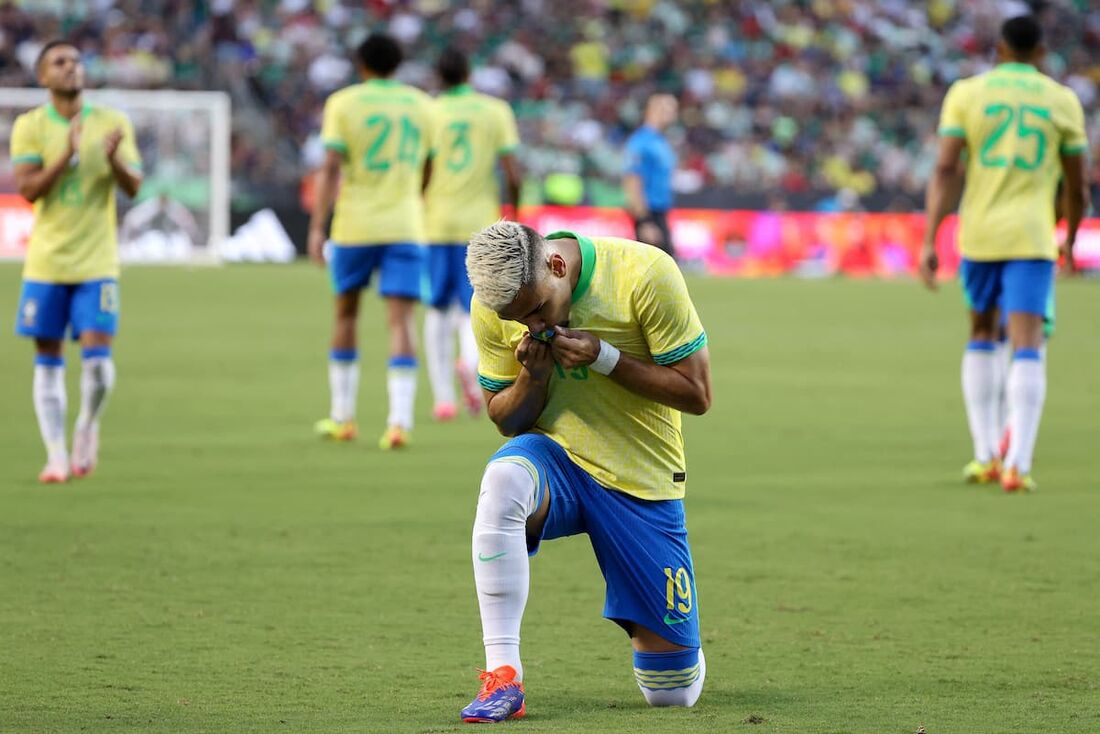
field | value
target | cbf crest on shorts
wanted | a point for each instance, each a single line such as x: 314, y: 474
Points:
x: 30, y: 313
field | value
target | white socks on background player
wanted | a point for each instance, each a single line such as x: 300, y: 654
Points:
x: 51, y: 405
x: 1026, y: 390
x: 439, y: 329
x: 981, y: 394
x: 343, y: 381
x: 401, y: 386
x: 509, y: 495
x: 97, y: 378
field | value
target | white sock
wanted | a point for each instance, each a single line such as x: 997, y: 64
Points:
x: 979, y: 383
x: 466, y: 340
x: 401, y: 386
x: 97, y: 379
x: 509, y: 495
x: 51, y: 406
x: 1002, y: 360
x: 1027, y: 390
x: 671, y: 678
x: 343, y: 382
x: 439, y: 352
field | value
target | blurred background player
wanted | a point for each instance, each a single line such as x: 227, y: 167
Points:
x: 1021, y: 131
x: 650, y: 163
x: 596, y: 444
x: 69, y: 157
x: 377, y: 135
x: 473, y: 132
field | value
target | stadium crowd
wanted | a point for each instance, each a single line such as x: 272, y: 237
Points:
x: 785, y: 97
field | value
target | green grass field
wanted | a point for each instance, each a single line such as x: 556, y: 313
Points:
x: 226, y: 572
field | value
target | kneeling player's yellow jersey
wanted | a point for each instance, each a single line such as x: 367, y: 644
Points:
x: 383, y: 131
x: 633, y: 296
x: 472, y: 131
x: 75, y: 223
x: 1016, y: 123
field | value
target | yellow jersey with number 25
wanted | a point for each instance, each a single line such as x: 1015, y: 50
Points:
x: 633, y: 296
x: 383, y: 131
x: 75, y: 236
x: 1016, y: 123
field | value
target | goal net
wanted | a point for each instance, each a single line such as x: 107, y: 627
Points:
x: 181, y: 213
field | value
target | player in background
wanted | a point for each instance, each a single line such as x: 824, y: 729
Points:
x: 473, y: 132
x: 377, y: 135
x: 589, y: 351
x: 1021, y: 131
x: 69, y: 157
x: 650, y: 163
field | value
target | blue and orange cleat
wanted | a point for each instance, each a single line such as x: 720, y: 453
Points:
x: 336, y: 430
x: 501, y: 698
x: 395, y: 437
x: 978, y: 473
x: 1013, y: 481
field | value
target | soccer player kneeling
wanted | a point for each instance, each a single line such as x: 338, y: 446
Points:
x: 589, y: 351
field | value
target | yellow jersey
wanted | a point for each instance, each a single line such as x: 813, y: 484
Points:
x: 75, y: 236
x: 633, y: 296
x: 383, y: 130
x: 472, y: 131
x: 1016, y: 123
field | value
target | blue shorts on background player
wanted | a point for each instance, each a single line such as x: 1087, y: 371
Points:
x: 448, y: 298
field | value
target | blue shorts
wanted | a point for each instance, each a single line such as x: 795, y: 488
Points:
x: 352, y: 267
x: 47, y: 310
x: 447, y: 279
x: 641, y: 545
x: 1016, y: 286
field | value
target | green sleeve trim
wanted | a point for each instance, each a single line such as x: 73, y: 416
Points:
x: 337, y: 145
x: 507, y: 149
x: 29, y: 158
x: 952, y: 132
x: 1073, y: 149
x: 488, y: 383
x: 682, y: 352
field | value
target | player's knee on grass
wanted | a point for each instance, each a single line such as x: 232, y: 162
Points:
x: 509, y: 494
x: 670, y: 678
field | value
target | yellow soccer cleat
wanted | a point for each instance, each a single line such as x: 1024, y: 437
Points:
x: 395, y: 437
x: 1012, y: 481
x: 978, y: 473
x: 336, y: 430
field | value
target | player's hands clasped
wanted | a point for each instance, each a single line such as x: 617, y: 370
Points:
x: 573, y: 348
x: 929, y: 264
x: 536, y: 357
x: 111, y: 143
x: 75, y: 130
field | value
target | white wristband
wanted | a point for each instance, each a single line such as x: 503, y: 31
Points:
x: 606, y: 361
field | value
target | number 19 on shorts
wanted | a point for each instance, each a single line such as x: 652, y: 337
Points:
x: 677, y: 590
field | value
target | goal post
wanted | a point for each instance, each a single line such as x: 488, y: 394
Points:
x: 181, y: 213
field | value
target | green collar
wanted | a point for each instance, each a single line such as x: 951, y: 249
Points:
x: 53, y: 114
x: 1017, y: 67
x: 459, y: 90
x: 588, y: 260
x: 377, y: 82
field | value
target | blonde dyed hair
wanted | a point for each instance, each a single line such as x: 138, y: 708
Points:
x: 500, y: 260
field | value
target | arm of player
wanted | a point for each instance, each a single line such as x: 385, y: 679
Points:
x: 941, y: 198
x: 513, y: 181
x: 426, y: 174
x: 126, y: 176
x: 328, y: 178
x: 517, y: 408
x: 1075, y: 201
x: 683, y: 385
x: 33, y: 180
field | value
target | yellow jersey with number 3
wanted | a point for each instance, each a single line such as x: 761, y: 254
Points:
x: 1016, y: 123
x: 472, y: 131
x: 75, y: 236
x: 633, y: 296
x: 383, y: 131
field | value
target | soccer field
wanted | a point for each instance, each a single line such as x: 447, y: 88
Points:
x: 224, y: 571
